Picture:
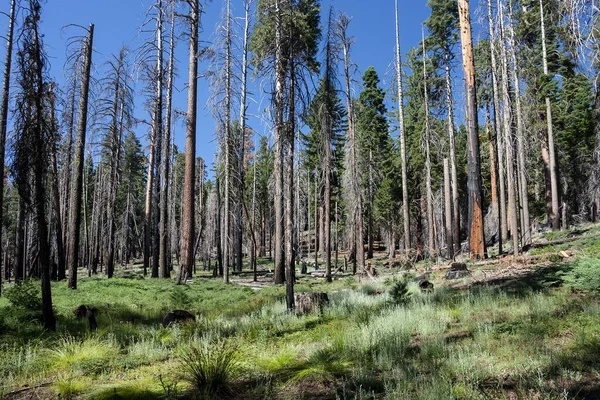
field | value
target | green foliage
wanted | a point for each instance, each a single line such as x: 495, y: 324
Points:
x: 25, y: 295
x: 89, y: 356
x: 369, y: 289
x: 301, y: 20
x: 399, y: 293
x: 179, y: 297
x: 69, y: 386
x: 210, y: 366
x: 584, y: 275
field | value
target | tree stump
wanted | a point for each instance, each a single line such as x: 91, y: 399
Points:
x: 177, y: 316
x: 457, y: 271
x: 84, y: 311
x: 307, y: 303
x: 425, y: 286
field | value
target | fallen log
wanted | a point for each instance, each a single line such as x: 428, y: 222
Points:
x: 310, y: 302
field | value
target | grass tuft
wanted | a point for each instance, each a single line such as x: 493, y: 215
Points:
x: 210, y: 366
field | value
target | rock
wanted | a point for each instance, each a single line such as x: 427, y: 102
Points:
x: 177, y: 316
x: 310, y: 302
x: 88, y: 312
x: 457, y: 271
x: 425, y: 285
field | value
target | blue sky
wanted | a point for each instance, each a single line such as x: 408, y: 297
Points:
x: 118, y: 22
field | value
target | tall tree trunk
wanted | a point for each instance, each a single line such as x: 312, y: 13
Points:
x: 164, y: 253
x: 495, y: 205
x: 502, y: 228
x: 453, y: 171
x: 279, y: 148
x: 405, y: 202
x: 521, y: 163
x: 290, y: 266
x: 39, y: 169
x: 227, y: 253
x: 448, y: 210
x: 187, y: 236
x: 67, y: 173
x: 116, y: 132
x: 20, y: 243
x: 429, y: 192
x: 476, y: 236
x: 60, y: 248
x: 508, y: 144
x: 77, y: 178
x: 4, y: 109
x: 555, y: 220
x: 152, y: 184
x: 370, y: 224
x: 219, y: 264
x: 148, y: 208
x: 243, y: 106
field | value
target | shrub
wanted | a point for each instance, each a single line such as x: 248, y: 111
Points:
x: 584, y: 275
x: 210, y: 367
x: 26, y: 295
x: 179, y: 298
x: 368, y: 289
x: 399, y: 293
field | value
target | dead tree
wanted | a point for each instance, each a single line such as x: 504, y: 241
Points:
x: 427, y: 140
x: 511, y: 177
x: 164, y: 251
x: 521, y: 164
x: 4, y: 109
x: 187, y: 235
x: 502, y: 229
x: 476, y: 232
x: 406, y: 203
x: 78, y: 161
x: 357, y: 251
x: 31, y: 167
x: 117, y: 109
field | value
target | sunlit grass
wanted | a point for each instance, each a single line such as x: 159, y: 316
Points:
x: 445, y: 344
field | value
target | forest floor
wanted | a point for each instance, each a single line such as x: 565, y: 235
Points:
x: 513, y: 329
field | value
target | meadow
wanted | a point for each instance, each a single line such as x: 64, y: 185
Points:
x: 535, y: 336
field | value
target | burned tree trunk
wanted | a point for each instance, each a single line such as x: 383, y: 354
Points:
x: 187, y: 236
x: 476, y: 231
x: 77, y: 179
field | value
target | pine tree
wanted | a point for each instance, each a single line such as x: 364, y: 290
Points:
x: 35, y: 132
x: 374, y: 141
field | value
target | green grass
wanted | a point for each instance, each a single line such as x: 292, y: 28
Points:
x: 536, y: 337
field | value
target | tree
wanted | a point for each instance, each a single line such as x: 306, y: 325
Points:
x: 511, y: 177
x: 164, y: 251
x: 555, y: 218
x: 374, y: 143
x: 443, y: 25
x: 476, y: 234
x: 353, y: 195
x: 34, y: 131
x: 326, y: 119
x: 117, y: 110
x: 77, y: 173
x: 405, y: 207
x: 502, y: 227
x: 427, y: 140
x: 285, y: 42
x: 187, y: 235
x: 4, y: 109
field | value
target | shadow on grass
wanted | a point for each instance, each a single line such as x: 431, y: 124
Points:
x: 129, y: 392
x: 539, y: 280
